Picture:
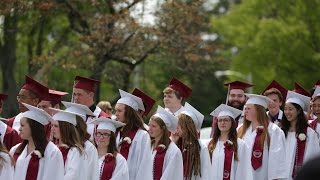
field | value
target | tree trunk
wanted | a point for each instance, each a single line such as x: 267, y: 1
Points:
x: 8, y: 61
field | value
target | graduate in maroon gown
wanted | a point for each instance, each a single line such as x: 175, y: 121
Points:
x: 8, y: 136
x: 31, y: 93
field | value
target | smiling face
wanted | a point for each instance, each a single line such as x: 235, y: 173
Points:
x: 102, y: 137
x: 236, y: 98
x: 291, y: 112
x: 274, y: 106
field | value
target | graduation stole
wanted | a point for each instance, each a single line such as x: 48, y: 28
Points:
x: 314, y: 124
x: 158, y: 161
x: 126, y: 143
x: 64, y: 151
x: 107, y: 167
x: 228, y: 156
x: 33, y: 166
x: 301, y: 145
x: 257, y: 150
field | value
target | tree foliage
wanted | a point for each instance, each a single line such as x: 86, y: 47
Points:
x: 272, y: 40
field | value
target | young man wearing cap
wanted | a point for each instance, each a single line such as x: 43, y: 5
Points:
x: 83, y: 93
x: 8, y: 136
x: 174, y: 95
x: 31, y: 93
x: 235, y: 98
x: 277, y: 94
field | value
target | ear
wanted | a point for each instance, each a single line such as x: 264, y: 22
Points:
x: 91, y: 94
x: 36, y: 101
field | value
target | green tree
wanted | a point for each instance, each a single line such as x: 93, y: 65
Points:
x: 272, y: 40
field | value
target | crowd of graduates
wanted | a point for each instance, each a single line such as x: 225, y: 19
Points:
x: 251, y: 138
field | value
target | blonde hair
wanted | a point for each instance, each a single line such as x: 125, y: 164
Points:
x: 262, y: 119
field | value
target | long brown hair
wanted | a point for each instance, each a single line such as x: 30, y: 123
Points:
x: 2, y: 160
x: 262, y: 119
x: 232, y: 136
x: 165, y: 139
x: 69, y: 135
x: 38, y: 136
x: 133, y: 120
x: 82, y: 130
x: 190, y: 143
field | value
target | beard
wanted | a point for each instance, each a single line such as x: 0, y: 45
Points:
x: 236, y: 104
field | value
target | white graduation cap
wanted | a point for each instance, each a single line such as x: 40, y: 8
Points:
x: 169, y: 119
x: 258, y: 100
x: 78, y: 109
x: 316, y: 92
x: 195, y: 115
x: 107, y: 123
x: 225, y: 110
x: 130, y: 100
x: 37, y: 114
x: 301, y: 100
x: 66, y: 116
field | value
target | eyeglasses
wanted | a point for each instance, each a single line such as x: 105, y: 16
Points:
x: 23, y: 97
x: 104, y: 135
x: 223, y: 120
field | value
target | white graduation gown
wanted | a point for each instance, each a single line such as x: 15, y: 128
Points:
x: 91, y: 161
x: 273, y: 161
x: 74, y: 166
x: 7, y: 171
x: 50, y: 166
x: 238, y: 168
x: 312, y: 149
x: 173, y: 163
x: 139, y: 157
x: 121, y: 171
x: 317, y: 128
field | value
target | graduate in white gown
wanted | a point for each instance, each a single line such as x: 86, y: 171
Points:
x: 196, y: 159
x: 36, y: 158
x: 229, y: 154
x: 132, y: 139
x: 91, y: 153
x: 112, y: 165
x: 6, y: 164
x: 302, y: 142
x: 167, y: 157
x: 265, y: 140
x: 63, y: 129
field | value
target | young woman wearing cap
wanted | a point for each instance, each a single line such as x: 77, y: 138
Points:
x: 133, y: 140
x: 265, y: 140
x: 63, y: 129
x: 91, y: 154
x: 302, y: 142
x: 6, y: 164
x: 36, y: 158
x: 112, y: 165
x: 229, y: 155
x: 196, y: 160
x: 167, y: 158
